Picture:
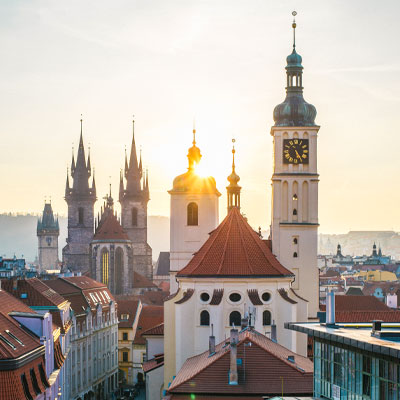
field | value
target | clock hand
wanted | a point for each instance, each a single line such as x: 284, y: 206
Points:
x: 298, y: 155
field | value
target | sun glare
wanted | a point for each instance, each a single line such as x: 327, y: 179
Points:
x: 202, y: 170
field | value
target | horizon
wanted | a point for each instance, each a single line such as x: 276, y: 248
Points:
x: 229, y: 76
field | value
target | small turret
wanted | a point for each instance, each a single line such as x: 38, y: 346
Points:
x: 233, y: 189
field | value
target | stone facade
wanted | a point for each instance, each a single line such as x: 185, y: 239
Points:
x: 134, y: 196
x: 80, y: 199
x: 47, y: 232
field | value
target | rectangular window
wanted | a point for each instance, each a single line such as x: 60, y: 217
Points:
x: 125, y: 336
x: 125, y: 356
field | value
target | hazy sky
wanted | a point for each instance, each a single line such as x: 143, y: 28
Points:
x: 220, y: 61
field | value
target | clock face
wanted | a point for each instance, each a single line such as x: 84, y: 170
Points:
x: 295, y: 151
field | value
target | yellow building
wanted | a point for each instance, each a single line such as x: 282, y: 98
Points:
x: 128, y: 315
x: 377, y: 276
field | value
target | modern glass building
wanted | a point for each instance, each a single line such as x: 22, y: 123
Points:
x: 355, y: 361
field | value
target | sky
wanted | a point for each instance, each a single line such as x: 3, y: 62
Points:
x: 220, y: 62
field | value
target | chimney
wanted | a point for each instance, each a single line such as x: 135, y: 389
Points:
x: 376, y: 326
x: 245, y: 322
x: 15, y: 284
x: 273, y: 332
x: 211, y: 342
x: 330, y: 308
x: 233, y: 374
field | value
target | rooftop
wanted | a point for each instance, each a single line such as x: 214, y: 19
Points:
x: 234, y: 249
x: 355, y: 335
x: 150, y: 316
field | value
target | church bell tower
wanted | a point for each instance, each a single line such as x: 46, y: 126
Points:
x: 295, y: 184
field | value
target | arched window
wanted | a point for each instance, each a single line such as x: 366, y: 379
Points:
x: 134, y: 216
x: 80, y: 215
x: 294, y: 240
x: 192, y: 214
x: 266, y: 318
x: 235, y: 318
x: 119, y: 270
x: 295, y: 254
x: 104, y: 266
x: 294, y: 211
x: 204, y: 318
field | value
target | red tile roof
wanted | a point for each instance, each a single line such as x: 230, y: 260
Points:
x: 157, y: 330
x: 387, y: 287
x: 234, y: 249
x: 150, y: 316
x: 110, y: 229
x: 266, y: 363
x: 37, y: 292
x: 164, y: 286
x: 156, y: 362
x: 359, y: 303
x: 129, y: 307
x: 8, y: 304
x: 367, y: 316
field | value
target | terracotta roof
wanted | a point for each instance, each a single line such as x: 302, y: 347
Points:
x: 164, y: 286
x: 33, y: 292
x: 150, y: 316
x: 359, y: 303
x: 217, y: 297
x: 8, y: 304
x: 234, y: 249
x: 140, y: 281
x: 387, y: 287
x: 266, y: 362
x: 110, y: 229
x: 157, y: 330
x: 129, y: 307
x: 367, y: 316
x: 156, y: 362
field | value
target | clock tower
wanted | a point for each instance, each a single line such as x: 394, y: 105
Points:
x: 295, y: 184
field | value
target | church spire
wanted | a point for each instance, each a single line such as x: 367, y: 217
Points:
x: 81, y: 171
x: 132, y: 172
x: 233, y: 189
x: 294, y: 111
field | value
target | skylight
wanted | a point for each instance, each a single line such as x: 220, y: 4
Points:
x: 14, y: 337
x: 6, y: 341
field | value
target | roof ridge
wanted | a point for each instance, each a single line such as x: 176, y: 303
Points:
x: 225, y: 245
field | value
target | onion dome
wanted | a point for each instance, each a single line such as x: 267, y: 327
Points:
x: 294, y: 111
x: 190, y: 181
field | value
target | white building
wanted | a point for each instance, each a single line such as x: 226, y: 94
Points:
x: 233, y: 276
x: 194, y: 213
x: 92, y: 365
x: 295, y: 185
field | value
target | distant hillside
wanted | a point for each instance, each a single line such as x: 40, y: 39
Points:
x: 18, y: 235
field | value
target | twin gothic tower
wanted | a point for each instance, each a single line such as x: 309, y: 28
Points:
x: 84, y: 238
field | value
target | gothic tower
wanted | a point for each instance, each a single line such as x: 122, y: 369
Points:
x: 47, y: 233
x: 80, y: 199
x: 295, y: 184
x: 134, y: 196
x: 194, y: 213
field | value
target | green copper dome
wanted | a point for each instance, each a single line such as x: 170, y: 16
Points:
x: 294, y: 111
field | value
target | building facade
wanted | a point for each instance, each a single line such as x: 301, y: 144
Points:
x: 80, y: 198
x: 48, y: 231
x: 134, y: 196
x: 92, y: 366
x: 194, y: 213
x: 295, y: 180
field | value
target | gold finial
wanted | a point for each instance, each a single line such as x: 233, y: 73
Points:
x: 194, y: 131
x: 294, y: 13
x: 233, y: 154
